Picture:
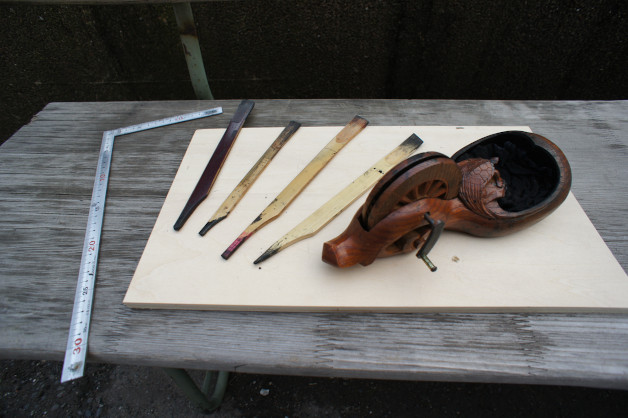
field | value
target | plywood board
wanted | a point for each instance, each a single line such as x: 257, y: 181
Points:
x: 559, y: 264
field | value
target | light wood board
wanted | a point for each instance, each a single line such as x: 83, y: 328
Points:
x: 559, y: 264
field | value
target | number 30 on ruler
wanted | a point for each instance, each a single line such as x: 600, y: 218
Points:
x: 76, y: 348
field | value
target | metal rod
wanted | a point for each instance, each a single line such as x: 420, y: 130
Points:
x: 196, y: 395
x: 192, y: 51
x: 428, y: 263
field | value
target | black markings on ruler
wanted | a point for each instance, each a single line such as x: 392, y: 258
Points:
x: 76, y: 348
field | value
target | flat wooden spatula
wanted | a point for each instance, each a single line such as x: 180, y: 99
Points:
x: 205, y: 183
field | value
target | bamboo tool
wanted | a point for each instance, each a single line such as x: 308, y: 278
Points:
x: 326, y: 213
x: 215, y: 163
x: 250, y: 177
x: 292, y: 190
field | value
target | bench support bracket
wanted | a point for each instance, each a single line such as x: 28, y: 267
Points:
x: 192, y: 50
x: 200, y: 396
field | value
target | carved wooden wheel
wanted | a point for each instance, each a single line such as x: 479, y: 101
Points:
x: 427, y: 175
x: 430, y: 188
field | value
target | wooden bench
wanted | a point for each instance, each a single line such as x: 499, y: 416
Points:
x: 46, y: 179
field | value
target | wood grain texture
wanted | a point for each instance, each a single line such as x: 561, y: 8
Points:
x: 539, y: 269
x: 46, y: 175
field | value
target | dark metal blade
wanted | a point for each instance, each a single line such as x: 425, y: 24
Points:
x: 208, y: 177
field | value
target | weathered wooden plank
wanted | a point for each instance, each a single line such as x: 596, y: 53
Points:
x: 41, y: 233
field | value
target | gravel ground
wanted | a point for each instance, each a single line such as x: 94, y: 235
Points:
x: 32, y: 388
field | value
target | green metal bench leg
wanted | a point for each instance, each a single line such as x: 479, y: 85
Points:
x: 200, y: 396
x: 192, y: 51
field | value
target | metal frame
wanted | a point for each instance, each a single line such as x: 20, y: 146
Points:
x: 192, y: 51
x: 200, y: 396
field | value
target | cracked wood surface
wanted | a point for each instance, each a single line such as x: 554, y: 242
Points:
x: 46, y: 175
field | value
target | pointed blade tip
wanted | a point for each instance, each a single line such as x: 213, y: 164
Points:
x: 267, y: 254
x: 178, y: 224
x: 209, y: 225
x: 234, y: 246
x: 183, y: 217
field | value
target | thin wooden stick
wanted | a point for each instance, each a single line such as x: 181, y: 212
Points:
x: 326, y: 213
x: 215, y: 163
x: 240, y: 190
x: 299, y: 183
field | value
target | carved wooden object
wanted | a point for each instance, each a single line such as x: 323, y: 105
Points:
x: 494, y: 186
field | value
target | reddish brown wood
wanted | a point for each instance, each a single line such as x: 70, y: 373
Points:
x: 431, y: 175
x: 462, y: 192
